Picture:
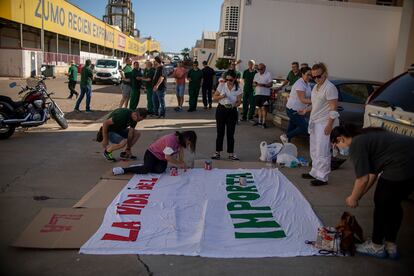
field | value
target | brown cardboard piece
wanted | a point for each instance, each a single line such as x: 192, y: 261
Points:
x: 101, y: 194
x: 224, y: 164
x: 61, y: 228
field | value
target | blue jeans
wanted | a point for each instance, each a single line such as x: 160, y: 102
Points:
x: 298, y: 125
x: 85, y: 90
x: 158, y: 98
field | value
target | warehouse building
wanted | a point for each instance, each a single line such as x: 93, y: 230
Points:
x: 37, y: 32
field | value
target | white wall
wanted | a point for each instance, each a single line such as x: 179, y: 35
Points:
x: 354, y: 40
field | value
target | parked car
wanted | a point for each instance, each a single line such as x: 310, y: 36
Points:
x: 353, y: 95
x: 169, y: 69
x: 392, y: 105
x: 106, y: 70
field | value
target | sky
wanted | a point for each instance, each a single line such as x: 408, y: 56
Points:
x: 176, y: 24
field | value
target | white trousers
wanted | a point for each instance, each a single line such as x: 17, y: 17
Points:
x: 320, y: 151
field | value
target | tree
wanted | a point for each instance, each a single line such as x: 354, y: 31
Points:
x: 222, y: 63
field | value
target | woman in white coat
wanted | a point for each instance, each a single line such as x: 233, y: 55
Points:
x: 323, y: 118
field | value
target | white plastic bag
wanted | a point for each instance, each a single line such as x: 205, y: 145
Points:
x: 287, y: 155
x: 269, y: 151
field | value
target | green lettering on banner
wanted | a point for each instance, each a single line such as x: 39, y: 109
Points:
x: 261, y: 235
x: 243, y: 196
x: 243, y: 206
x: 241, y: 189
x: 253, y: 221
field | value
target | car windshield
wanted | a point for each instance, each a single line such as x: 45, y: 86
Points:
x: 106, y: 63
x: 399, y: 93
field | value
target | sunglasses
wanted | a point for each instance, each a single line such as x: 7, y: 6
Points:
x: 260, y: 69
x: 318, y: 76
x: 230, y: 80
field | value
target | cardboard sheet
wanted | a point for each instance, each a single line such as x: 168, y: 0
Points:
x: 102, y: 194
x: 225, y: 164
x: 61, y: 228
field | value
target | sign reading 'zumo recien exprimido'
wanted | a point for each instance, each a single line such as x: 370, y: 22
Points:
x: 207, y: 213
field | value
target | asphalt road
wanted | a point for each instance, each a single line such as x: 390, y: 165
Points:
x: 62, y: 165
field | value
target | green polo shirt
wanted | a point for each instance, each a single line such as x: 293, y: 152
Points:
x: 73, y: 73
x: 86, y: 76
x: 149, y: 73
x: 136, y: 84
x: 121, y: 118
x: 248, y: 80
x: 292, y: 78
x: 196, y: 76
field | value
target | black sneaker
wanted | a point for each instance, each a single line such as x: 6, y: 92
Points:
x: 307, y: 176
x: 243, y: 119
x: 234, y: 158
x: 108, y: 156
x: 256, y: 123
x: 126, y: 156
x: 318, y: 182
x: 263, y: 125
x: 216, y: 156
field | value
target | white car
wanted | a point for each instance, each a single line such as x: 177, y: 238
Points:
x: 106, y: 70
x: 392, y: 105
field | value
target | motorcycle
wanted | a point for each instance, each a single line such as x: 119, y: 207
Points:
x: 35, y: 108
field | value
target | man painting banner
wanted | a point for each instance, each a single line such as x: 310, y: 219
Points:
x: 219, y: 213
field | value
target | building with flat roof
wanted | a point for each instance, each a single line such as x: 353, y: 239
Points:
x: 36, y: 32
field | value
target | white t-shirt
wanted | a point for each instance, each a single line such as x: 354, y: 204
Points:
x: 320, y: 105
x: 264, y: 78
x: 294, y: 101
x: 231, y: 95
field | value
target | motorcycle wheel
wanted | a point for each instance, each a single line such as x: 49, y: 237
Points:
x: 59, y: 117
x: 6, y: 131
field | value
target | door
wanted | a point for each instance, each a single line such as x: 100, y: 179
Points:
x: 32, y: 64
x: 351, y: 105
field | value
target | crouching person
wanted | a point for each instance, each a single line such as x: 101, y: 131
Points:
x: 161, y: 152
x: 119, y: 132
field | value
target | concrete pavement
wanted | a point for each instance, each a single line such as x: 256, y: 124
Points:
x: 64, y: 165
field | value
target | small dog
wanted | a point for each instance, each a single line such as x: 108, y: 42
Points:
x: 351, y: 233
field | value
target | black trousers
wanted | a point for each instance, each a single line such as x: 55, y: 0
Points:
x: 151, y: 165
x: 71, y: 86
x: 207, y: 95
x: 388, y: 212
x: 226, y: 120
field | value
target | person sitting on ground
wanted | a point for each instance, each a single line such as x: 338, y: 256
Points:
x: 119, y: 130
x: 161, y: 152
x: 374, y: 152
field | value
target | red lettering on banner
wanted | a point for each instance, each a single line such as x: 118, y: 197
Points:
x: 53, y: 227
x: 145, y: 184
x: 137, y: 199
x: 133, y: 226
x: 128, y: 210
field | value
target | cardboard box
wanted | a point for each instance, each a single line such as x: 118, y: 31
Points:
x: 102, y: 194
x: 61, y: 228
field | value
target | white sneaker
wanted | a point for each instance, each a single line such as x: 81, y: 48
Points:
x: 368, y: 248
x: 392, y: 251
x: 284, y: 139
x: 118, y: 171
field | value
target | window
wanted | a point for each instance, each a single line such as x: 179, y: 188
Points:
x: 353, y: 93
x: 229, y: 47
x: 231, y: 22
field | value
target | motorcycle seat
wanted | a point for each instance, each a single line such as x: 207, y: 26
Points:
x: 11, y: 102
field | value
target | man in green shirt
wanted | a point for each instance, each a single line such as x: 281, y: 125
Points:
x: 119, y: 131
x: 248, y: 92
x: 86, y: 86
x: 73, y: 78
x: 126, y: 83
x: 147, y: 80
x: 194, y: 76
x: 293, y: 75
x: 136, y: 78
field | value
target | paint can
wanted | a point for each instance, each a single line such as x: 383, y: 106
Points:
x: 173, y: 171
x: 242, y: 181
x: 208, y: 165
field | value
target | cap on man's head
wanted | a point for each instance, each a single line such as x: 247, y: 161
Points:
x: 204, y: 62
x: 195, y: 62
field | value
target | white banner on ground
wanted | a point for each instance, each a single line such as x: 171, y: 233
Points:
x: 208, y: 213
